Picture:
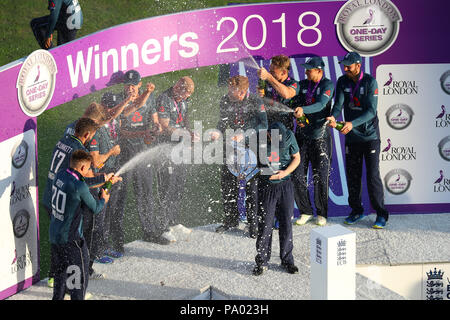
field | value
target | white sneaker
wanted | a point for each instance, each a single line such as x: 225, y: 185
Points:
x: 87, y: 296
x: 304, y: 218
x: 96, y: 276
x: 168, y: 235
x: 321, y: 221
x: 180, y: 228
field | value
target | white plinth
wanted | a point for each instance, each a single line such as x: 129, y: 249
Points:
x: 333, y: 256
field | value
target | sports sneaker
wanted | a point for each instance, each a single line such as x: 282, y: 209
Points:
x: 104, y: 260
x: 259, y: 270
x: 50, y: 282
x: 304, y: 218
x: 87, y: 296
x: 321, y: 221
x: 290, y: 268
x: 169, y: 236
x: 113, y: 254
x: 380, y: 223
x: 352, y: 218
x: 180, y: 228
x: 96, y: 276
x: 276, y: 224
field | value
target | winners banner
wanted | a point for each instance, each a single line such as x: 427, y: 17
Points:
x: 415, y: 167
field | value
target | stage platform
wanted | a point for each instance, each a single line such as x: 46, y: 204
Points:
x: 208, y: 265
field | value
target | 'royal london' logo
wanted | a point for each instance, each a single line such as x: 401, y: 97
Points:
x: 391, y: 152
x: 36, y: 82
x: 397, y: 181
x: 399, y: 116
x: 441, y: 184
x: 369, y: 27
x: 394, y: 86
x: 443, y: 118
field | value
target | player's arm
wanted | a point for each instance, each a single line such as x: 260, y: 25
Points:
x: 52, y: 20
x: 86, y: 197
x: 140, y: 101
x: 290, y: 168
x: 100, y: 159
x: 287, y: 92
x: 117, y: 110
x: 326, y: 93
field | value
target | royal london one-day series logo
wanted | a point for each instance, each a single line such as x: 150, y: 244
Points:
x: 369, y: 27
x: 36, y: 82
x: 397, y: 181
x: 399, y: 116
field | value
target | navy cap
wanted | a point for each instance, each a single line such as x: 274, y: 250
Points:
x: 132, y: 77
x: 314, y: 63
x: 110, y: 99
x: 351, y: 58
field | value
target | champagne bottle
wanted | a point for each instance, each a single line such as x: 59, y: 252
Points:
x: 261, y: 86
x: 107, y: 186
x: 339, y: 125
x: 303, y: 120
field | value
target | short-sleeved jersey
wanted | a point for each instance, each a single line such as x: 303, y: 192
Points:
x: 69, y: 193
x: 249, y: 113
x: 60, y: 160
x: 105, y: 138
x: 361, y: 110
x: 272, y: 95
x: 176, y: 112
x: 281, y: 159
x: 64, y: 13
x: 140, y: 120
x: 317, y: 109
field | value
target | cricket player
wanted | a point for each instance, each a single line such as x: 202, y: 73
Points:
x: 172, y: 107
x: 314, y: 141
x: 280, y: 89
x: 136, y: 134
x: 276, y: 199
x: 65, y: 17
x: 240, y: 110
x: 357, y: 94
x: 69, y: 249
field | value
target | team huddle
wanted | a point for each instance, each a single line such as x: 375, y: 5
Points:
x: 86, y: 214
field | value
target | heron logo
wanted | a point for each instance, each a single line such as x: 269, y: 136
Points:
x: 394, y: 86
x: 36, y: 82
x: 443, y: 118
x: 400, y: 153
x: 397, y: 181
x: 399, y: 116
x: 441, y: 184
x: 369, y: 27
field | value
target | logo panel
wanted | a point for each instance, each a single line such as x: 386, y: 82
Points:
x: 36, y: 82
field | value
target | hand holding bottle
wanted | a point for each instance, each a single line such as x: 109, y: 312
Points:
x: 331, y: 122
x: 104, y: 194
